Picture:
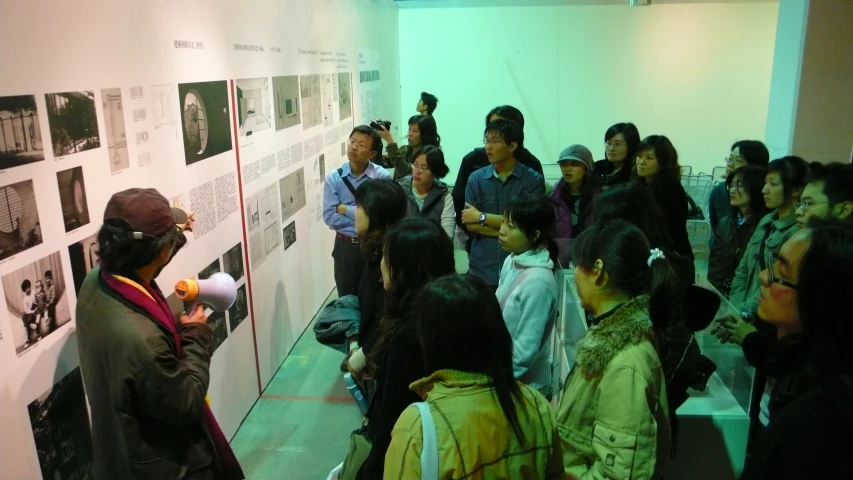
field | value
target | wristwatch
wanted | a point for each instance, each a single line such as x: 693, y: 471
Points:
x: 482, y: 219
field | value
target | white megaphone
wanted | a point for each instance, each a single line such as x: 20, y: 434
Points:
x: 217, y: 292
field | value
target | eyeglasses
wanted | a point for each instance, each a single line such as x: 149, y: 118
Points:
x: 735, y: 187
x: 358, y: 146
x: 422, y: 169
x: 774, y: 259
x: 615, y: 144
x: 730, y: 160
x: 486, y: 141
x: 807, y: 204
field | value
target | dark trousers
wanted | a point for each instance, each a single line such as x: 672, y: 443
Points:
x: 349, y: 263
x: 493, y: 287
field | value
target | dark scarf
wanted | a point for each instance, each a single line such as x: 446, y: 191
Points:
x: 161, y: 313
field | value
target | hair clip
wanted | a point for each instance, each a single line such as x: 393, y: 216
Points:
x: 656, y: 253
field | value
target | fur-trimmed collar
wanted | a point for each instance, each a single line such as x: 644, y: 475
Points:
x: 628, y: 325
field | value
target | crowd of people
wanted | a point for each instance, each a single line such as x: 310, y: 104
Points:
x: 476, y: 348
x: 457, y: 369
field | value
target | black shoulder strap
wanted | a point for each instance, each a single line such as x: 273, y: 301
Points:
x: 346, y: 181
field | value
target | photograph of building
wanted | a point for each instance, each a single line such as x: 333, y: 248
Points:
x: 19, y: 219
x: 73, y: 122
x: 60, y: 422
x: 20, y: 135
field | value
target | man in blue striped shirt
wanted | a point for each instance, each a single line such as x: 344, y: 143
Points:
x: 339, y: 204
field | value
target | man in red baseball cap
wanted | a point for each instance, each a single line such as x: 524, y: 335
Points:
x: 146, y: 375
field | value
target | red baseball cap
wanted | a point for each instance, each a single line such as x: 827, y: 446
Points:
x: 146, y: 211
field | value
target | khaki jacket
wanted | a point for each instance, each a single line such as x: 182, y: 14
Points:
x: 612, y: 417
x: 473, y: 436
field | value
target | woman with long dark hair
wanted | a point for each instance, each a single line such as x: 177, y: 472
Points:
x: 527, y: 290
x: 658, y: 169
x: 416, y: 251
x: 620, y: 142
x: 572, y: 196
x: 804, y: 295
x: 381, y: 204
x: 736, y: 227
x: 423, y: 131
x: 613, y: 414
x: 487, y: 424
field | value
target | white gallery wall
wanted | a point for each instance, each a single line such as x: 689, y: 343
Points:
x: 697, y: 72
x: 233, y: 110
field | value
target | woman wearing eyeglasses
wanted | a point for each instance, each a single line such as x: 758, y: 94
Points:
x: 731, y: 237
x: 620, y: 149
x: 429, y: 197
x: 743, y: 153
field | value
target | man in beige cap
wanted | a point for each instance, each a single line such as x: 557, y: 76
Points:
x: 146, y: 376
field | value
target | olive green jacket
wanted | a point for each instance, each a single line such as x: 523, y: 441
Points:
x: 773, y: 232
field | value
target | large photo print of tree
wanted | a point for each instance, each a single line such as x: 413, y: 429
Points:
x: 205, y: 119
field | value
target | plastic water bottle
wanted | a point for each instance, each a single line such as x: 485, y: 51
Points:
x: 356, y: 393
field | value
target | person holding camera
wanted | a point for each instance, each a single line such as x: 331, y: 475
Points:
x: 146, y: 375
x: 422, y: 132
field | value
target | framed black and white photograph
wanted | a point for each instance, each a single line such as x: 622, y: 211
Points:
x: 115, y: 130
x: 322, y: 161
x: 205, y: 119
x: 19, y: 219
x: 60, y: 422
x: 240, y: 310
x: 289, y: 233
x: 20, y: 135
x: 254, y: 111
x: 217, y: 322
x: 232, y: 261
x: 72, y: 197
x: 36, y: 300
x: 209, y: 270
x: 286, y: 101
x: 73, y: 122
x: 345, y: 94
x: 84, y: 258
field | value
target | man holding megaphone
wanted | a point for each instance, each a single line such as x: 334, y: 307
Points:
x: 146, y: 375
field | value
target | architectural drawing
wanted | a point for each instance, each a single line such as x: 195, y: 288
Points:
x: 163, y: 105
x: 345, y: 95
x: 116, y: 132
x: 309, y: 94
x: 286, y: 101
x: 254, y: 112
x: 292, y: 191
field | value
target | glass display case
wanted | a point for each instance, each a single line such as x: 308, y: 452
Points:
x: 713, y: 424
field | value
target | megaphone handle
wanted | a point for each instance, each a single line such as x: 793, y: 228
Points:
x: 190, y: 307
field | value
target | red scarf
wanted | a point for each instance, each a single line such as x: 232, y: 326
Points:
x: 159, y: 311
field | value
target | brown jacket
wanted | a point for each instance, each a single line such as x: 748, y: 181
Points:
x: 147, y: 404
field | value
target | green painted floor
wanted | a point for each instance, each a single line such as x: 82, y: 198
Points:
x: 299, y: 428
